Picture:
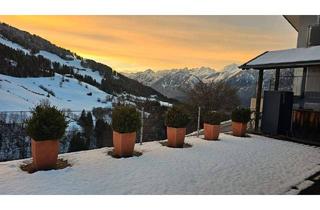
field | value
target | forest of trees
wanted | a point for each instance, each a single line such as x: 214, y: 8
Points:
x: 92, y: 134
x: 18, y: 64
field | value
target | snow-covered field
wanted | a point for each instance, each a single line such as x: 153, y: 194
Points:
x: 256, y: 165
x: 21, y: 94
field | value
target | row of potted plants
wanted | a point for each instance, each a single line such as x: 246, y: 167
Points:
x: 47, y: 125
x: 177, y: 119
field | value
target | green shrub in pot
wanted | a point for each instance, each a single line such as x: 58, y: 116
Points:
x: 46, y: 122
x: 177, y: 117
x: 214, y: 117
x: 46, y: 126
x: 241, y: 115
x: 125, y: 119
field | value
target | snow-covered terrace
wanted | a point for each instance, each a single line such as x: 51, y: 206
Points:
x: 233, y: 165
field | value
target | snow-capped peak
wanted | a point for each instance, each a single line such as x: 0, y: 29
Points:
x: 231, y: 67
x: 228, y: 72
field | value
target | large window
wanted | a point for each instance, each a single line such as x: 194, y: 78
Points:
x: 313, y: 79
x: 297, y: 81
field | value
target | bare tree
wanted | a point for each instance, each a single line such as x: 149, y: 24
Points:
x: 218, y: 96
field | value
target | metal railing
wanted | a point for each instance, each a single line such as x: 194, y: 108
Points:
x: 15, y: 144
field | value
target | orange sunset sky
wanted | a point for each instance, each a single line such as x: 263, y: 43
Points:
x: 136, y: 43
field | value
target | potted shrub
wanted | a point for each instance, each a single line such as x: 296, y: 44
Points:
x: 176, y: 121
x: 125, y: 123
x: 45, y: 127
x: 211, y: 124
x: 240, y: 117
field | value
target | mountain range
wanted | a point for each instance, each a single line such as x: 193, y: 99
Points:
x: 175, y: 83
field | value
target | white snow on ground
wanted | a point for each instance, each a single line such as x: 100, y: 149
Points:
x: 75, y: 63
x: 256, y: 165
x: 12, y: 45
x: 19, y: 94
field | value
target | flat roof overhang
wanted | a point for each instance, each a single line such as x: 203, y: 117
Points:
x: 294, y: 21
x: 289, y: 58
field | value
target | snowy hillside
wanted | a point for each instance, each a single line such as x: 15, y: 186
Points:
x: 20, y: 94
x: 208, y: 167
x: 73, y: 62
x: 13, y: 45
x: 90, y: 85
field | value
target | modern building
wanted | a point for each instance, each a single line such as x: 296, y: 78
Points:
x: 304, y: 60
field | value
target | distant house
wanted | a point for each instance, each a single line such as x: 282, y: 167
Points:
x: 305, y: 62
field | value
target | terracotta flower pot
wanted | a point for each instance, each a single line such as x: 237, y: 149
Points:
x: 123, y: 143
x: 211, y: 132
x: 176, y: 136
x: 239, y: 129
x: 44, y: 154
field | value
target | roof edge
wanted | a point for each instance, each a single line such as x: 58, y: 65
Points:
x: 285, y: 17
x: 283, y: 65
x: 243, y: 66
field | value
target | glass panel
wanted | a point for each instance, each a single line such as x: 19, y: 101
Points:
x: 297, y: 80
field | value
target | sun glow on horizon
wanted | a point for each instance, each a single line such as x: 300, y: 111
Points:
x: 136, y: 43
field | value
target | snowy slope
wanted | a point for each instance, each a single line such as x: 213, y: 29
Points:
x: 256, y: 165
x: 228, y: 72
x: 12, y: 45
x: 19, y: 94
x: 75, y: 63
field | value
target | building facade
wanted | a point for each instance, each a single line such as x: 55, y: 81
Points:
x: 304, y: 60
x: 308, y: 29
